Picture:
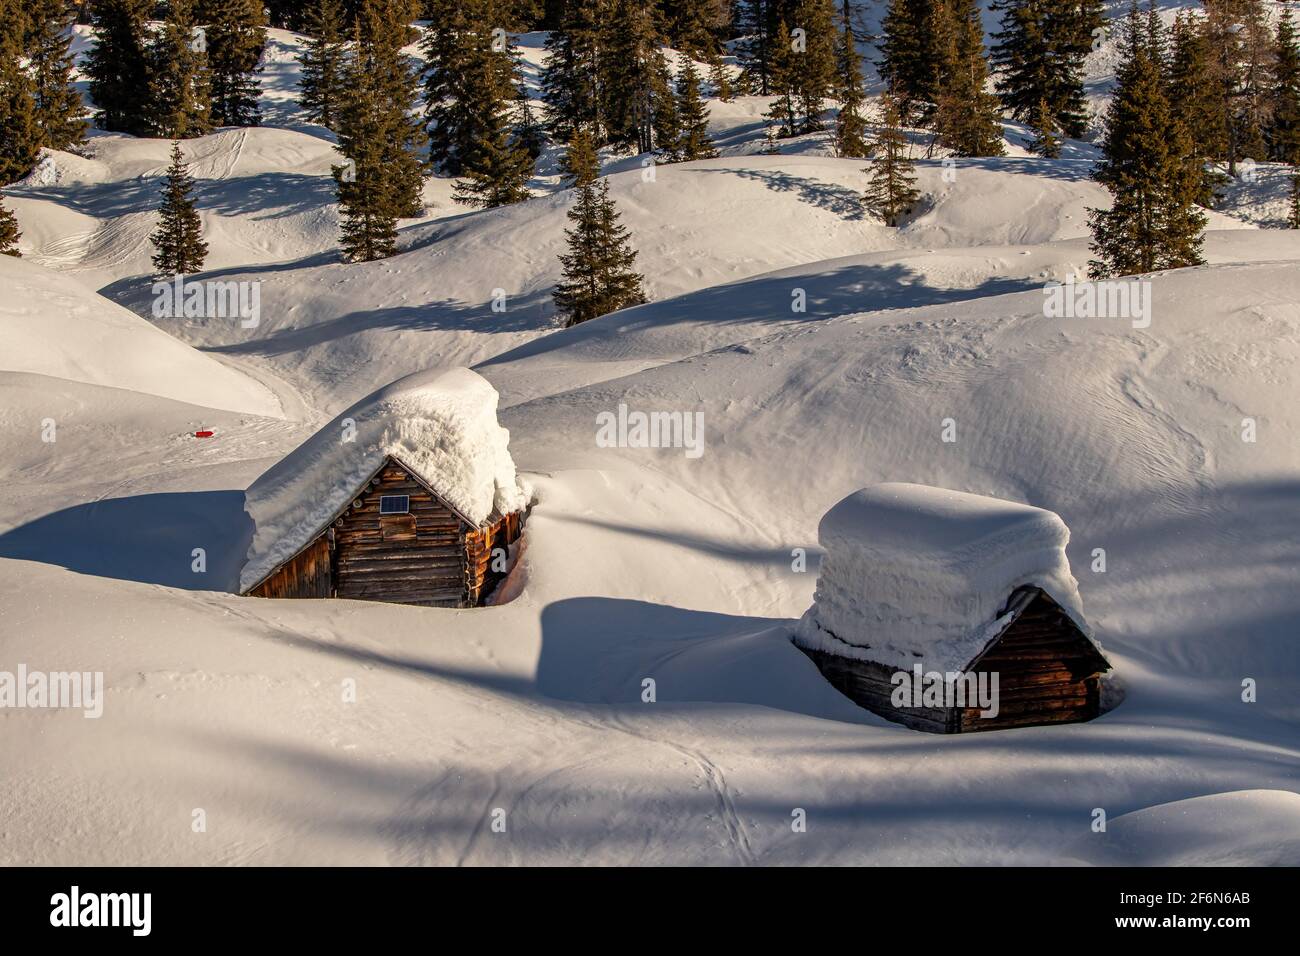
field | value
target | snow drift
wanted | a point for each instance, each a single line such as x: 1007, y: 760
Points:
x: 920, y: 574
x: 441, y: 425
x: 50, y: 325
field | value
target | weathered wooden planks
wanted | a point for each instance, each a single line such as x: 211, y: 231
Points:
x: 1048, y: 672
x: 429, y: 556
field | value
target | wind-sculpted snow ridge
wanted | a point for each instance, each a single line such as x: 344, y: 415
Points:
x: 51, y: 325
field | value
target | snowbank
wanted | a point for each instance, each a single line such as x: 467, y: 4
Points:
x: 919, y: 573
x: 51, y: 325
x: 441, y: 425
x: 1239, y: 828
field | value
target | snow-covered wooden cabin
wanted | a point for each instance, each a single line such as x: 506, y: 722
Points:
x: 927, y: 599
x: 410, y: 496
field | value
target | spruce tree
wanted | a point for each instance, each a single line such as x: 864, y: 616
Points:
x: 814, y: 66
x: 497, y: 172
x: 1293, y: 219
x: 178, y: 77
x: 471, y: 86
x: 783, y: 114
x: 179, y: 237
x: 755, y: 25
x: 1193, y: 87
x: 1149, y: 168
x: 850, y: 124
x: 236, y: 36
x: 580, y: 164
x: 1047, y: 139
x: 382, y: 73
x: 1241, y: 50
x: 59, y: 113
x: 571, y: 78
x: 118, y: 66
x: 321, y: 77
x: 966, y: 116
x: 1038, y: 54
x: 598, y: 267
x: 20, y: 138
x: 1284, y: 125
x: 694, y: 141
x: 382, y: 179
x: 9, y: 234
x: 891, y: 188
x: 912, y: 35
x: 634, y: 77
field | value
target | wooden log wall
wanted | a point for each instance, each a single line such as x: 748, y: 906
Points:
x: 306, y: 575
x: 416, y: 558
x: 1048, y: 673
x: 481, y: 577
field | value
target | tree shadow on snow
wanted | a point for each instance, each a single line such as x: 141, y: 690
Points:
x: 146, y: 538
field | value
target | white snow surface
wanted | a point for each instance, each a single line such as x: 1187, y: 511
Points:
x: 1133, y: 436
x: 51, y: 325
x: 914, y: 574
x: 440, y: 425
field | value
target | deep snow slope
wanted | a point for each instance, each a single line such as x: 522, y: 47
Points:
x: 50, y: 325
x: 472, y: 286
x: 534, y: 707
x: 822, y: 352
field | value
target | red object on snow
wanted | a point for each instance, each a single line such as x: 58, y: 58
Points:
x: 203, y: 434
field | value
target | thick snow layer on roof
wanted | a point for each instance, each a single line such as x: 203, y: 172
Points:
x: 913, y: 573
x: 441, y: 425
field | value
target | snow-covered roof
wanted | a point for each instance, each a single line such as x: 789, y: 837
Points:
x: 442, y: 426
x: 913, y: 573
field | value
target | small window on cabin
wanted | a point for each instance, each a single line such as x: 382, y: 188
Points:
x: 394, y: 504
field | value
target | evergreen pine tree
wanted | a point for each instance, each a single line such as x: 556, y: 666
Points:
x: 20, y: 138
x: 783, y: 114
x: 1193, y: 88
x: 598, y: 267
x: 891, y: 189
x: 382, y: 180
x: 471, y: 84
x: 755, y: 25
x: 666, y: 122
x: 850, y: 124
x: 580, y: 164
x: 909, y: 46
x: 814, y: 66
x: 179, y: 237
x: 1293, y: 219
x: 1038, y: 54
x: 1047, y: 139
x: 321, y: 77
x: 178, y: 77
x: 571, y: 78
x: 635, y: 82
x: 966, y: 116
x: 1284, y: 126
x: 528, y: 131
x: 235, y: 34
x: 59, y: 113
x: 694, y: 141
x: 392, y: 82
x: 9, y: 234
x: 1149, y: 168
x: 118, y: 66
x: 1241, y: 53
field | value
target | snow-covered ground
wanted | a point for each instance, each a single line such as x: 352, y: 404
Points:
x: 639, y: 563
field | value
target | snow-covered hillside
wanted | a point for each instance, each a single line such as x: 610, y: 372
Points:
x: 822, y: 352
